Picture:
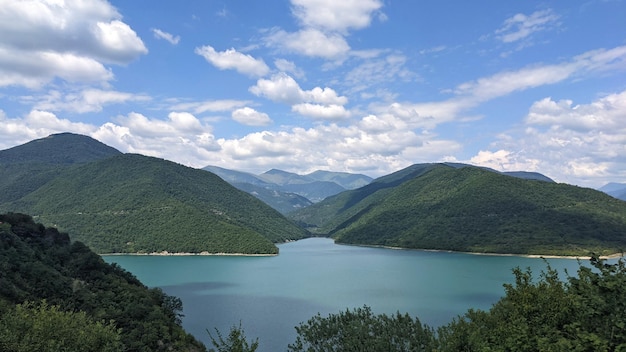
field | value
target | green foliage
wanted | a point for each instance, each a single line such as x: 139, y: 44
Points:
x: 44, y: 328
x: 235, y: 342
x: 584, y: 313
x: 39, y: 263
x: 132, y: 203
x: 361, y: 330
x: 470, y: 209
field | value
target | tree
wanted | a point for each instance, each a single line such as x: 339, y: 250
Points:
x: 235, y: 342
x: 361, y: 330
x: 44, y: 328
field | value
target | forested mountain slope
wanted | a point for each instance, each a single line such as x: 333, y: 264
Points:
x: 436, y: 206
x: 134, y: 203
x: 122, y: 314
x: 27, y: 167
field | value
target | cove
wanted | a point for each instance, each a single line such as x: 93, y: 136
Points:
x: 269, y: 296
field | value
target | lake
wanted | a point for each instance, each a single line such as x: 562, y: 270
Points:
x: 269, y: 296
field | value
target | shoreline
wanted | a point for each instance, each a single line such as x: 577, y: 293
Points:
x: 535, y: 256
x: 189, y: 254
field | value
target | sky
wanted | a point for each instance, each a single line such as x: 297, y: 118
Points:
x: 361, y: 86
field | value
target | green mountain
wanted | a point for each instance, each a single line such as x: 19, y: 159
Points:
x: 437, y: 206
x: 133, y: 203
x: 89, y: 305
x: 27, y: 167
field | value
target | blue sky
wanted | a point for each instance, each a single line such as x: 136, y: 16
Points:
x: 364, y: 86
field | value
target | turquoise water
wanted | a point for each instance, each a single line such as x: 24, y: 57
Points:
x: 272, y: 295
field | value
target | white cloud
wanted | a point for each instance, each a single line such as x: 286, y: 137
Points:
x: 318, y: 111
x: 87, y: 100
x: 581, y: 144
x: 283, y: 88
x: 251, y: 117
x: 199, y: 107
x: 71, y: 40
x: 232, y: 59
x: 309, y: 42
x: 165, y: 36
x: 335, y: 16
x: 522, y: 26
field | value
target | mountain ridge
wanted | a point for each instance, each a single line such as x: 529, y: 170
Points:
x: 469, y: 209
x: 129, y: 203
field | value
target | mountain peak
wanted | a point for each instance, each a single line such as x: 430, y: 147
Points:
x: 60, y: 148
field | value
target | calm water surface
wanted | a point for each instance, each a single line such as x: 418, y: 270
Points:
x: 272, y: 295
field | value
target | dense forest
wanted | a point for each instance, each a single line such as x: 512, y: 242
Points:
x: 437, y: 206
x: 129, y: 203
x: 61, y: 296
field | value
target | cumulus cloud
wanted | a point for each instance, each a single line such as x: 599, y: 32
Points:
x: 165, y: 36
x: 251, y: 117
x: 318, y: 111
x: 324, y: 26
x: 283, y: 88
x: 522, y: 26
x: 335, y: 16
x: 231, y: 59
x: 309, y: 42
x: 318, y: 103
x: 574, y: 143
x: 71, y: 40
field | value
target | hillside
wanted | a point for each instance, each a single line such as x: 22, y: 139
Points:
x: 27, y: 167
x: 435, y: 206
x: 89, y: 304
x: 133, y: 203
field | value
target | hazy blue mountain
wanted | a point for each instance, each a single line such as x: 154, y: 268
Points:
x: 281, y: 177
x: 614, y: 189
x: 287, y: 191
x: 344, y: 179
x: 233, y: 176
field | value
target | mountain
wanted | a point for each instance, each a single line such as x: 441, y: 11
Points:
x: 133, y: 203
x: 286, y: 191
x: 60, y: 149
x: 70, y: 298
x: 617, y: 190
x: 270, y: 193
x: 343, y: 179
x: 438, y: 206
x: 27, y: 167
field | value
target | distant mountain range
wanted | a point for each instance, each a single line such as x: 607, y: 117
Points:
x: 127, y: 203
x: 464, y: 208
x: 617, y: 190
x: 286, y: 191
